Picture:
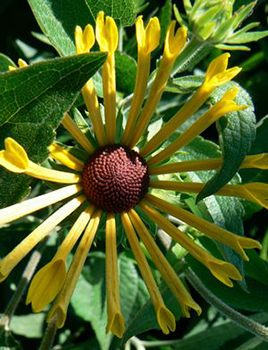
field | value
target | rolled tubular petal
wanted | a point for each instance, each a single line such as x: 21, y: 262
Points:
x: 115, y: 322
x: 21, y: 64
x: 22, y: 249
x: 236, y: 242
x: 92, y: 103
x: 65, y: 157
x: 147, y: 40
x: 14, y: 157
x: 167, y: 272
x: 84, y: 40
x: 259, y: 161
x: 107, y: 37
x: 48, y: 281
x: 106, y: 33
x: 19, y: 210
x: 165, y: 318
x: 77, y: 134
x: 222, y: 107
x: 174, y: 43
x: 216, y: 75
x: 62, y: 301
x: 222, y: 270
x: 40, y: 172
x: 256, y: 191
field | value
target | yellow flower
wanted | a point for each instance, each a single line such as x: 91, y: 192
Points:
x: 116, y: 179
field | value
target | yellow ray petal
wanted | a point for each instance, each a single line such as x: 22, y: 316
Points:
x: 65, y: 157
x: 106, y: 33
x: 93, y: 107
x: 107, y: 37
x: 48, y: 281
x: 256, y: 191
x: 46, y: 284
x: 115, y: 322
x: 259, y: 161
x: 22, y: 249
x: 165, y: 318
x: 222, y: 270
x: 40, y: 172
x: 14, y: 158
x: 167, y: 272
x: 216, y: 75
x: 77, y: 134
x: 236, y: 242
x: 222, y: 107
x: 173, y: 45
x: 18, y: 210
x: 62, y: 301
x: 84, y: 40
x: 147, y: 41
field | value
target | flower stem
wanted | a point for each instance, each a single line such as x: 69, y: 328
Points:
x: 49, y: 335
x: 25, y: 279
x: 193, y: 53
x: 248, y: 324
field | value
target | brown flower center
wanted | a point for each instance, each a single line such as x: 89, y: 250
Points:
x: 115, y: 178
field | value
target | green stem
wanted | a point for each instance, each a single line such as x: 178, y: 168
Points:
x: 248, y: 324
x: 50, y: 334
x: 25, y: 279
x: 193, y: 53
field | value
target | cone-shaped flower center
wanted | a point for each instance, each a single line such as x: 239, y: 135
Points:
x: 115, y: 178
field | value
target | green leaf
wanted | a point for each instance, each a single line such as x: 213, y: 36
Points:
x: 184, y: 85
x: 58, y: 19
x: 29, y: 326
x: 96, y: 301
x: 237, y: 132
x: 89, y: 299
x: 255, y: 299
x: 225, y: 212
x: 248, y: 37
x: 126, y: 69
x: 33, y: 100
x: 164, y: 19
x: 5, y: 62
x: 216, y: 337
x: 260, y: 145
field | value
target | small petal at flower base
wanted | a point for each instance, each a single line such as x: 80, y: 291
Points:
x: 117, y: 183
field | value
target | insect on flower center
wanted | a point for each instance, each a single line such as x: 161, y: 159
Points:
x: 115, y: 178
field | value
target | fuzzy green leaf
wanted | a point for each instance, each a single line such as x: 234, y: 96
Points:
x: 5, y: 62
x: 33, y: 100
x: 255, y: 299
x: 217, y: 337
x: 126, y: 69
x: 237, y: 132
x: 248, y: 37
x: 58, y: 19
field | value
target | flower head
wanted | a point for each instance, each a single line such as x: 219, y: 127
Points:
x: 116, y: 179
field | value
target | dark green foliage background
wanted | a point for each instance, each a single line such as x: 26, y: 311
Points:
x: 17, y: 22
